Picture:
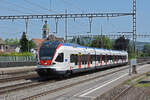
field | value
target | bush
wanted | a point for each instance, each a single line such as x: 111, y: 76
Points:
x: 17, y: 54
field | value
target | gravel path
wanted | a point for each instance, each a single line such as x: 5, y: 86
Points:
x: 136, y: 92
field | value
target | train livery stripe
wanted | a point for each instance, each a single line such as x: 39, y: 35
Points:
x: 56, y: 50
x: 70, y: 67
x: 39, y: 53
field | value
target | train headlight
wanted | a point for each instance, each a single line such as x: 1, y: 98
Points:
x: 53, y: 63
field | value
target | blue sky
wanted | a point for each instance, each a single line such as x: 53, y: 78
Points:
x: 14, y: 29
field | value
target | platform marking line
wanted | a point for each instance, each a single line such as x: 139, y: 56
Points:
x: 91, y: 87
x: 84, y: 95
x: 102, y: 86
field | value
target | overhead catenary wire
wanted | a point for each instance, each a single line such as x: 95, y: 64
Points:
x: 72, y: 5
x: 12, y: 9
x: 20, y: 6
x: 38, y: 5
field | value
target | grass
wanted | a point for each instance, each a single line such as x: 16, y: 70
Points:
x: 142, y: 82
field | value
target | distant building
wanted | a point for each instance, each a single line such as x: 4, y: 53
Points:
x: 54, y: 38
x: 45, y: 30
x: 12, y: 48
x: 46, y: 36
x: 37, y: 42
x: 2, y: 46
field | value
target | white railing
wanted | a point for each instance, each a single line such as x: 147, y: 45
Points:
x: 18, y: 59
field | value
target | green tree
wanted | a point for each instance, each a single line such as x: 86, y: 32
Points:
x: 121, y: 43
x: 101, y: 42
x: 24, y: 43
x: 78, y: 41
x: 130, y: 52
x: 12, y: 41
x: 31, y: 44
x: 146, y: 50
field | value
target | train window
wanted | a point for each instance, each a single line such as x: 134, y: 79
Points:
x: 97, y: 58
x: 91, y: 59
x: 108, y: 57
x: 86, y: 59
x: 111, y: 57
x: 76, y: 59
x: 121, y: 57
x: 72, y: 58
x: 60, y: 57
x: 82, y: 59
x: 125, y: 57
x: 76, y: 63
x: 118, y: 57
x: 115, y: 58
x: 103, y: 58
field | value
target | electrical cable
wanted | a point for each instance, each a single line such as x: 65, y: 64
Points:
x: 14, y: 10
x: 17, y: 5
x: 71, y: 4
x: 37, y: 5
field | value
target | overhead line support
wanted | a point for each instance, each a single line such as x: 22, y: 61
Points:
x: 66, y: 16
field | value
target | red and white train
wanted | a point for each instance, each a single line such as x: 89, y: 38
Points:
x: 56, y: 58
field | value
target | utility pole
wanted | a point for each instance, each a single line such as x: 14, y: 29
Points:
x: 66, y: 25
x: 26, y: 22
x: 90, y: 25
x: 134, y: 34
x: 101, y: 36
x: 56, y: 23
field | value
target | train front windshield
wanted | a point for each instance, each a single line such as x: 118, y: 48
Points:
x: 47, y: 50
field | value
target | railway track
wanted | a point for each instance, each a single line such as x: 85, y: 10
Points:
x: 26, y: 85
x: 27, y: 74
x: 18, y: 77
x: 22, y: 86
x: 77, y: 83
x: 16, y: 87
x: 123, y: 92
x: 69, y: 85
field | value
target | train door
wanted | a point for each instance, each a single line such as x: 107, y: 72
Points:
x: 117, y: 58
x: 79, y: 60
x: 101, y: 56
x: 113, y: 59
x: 88, y: 60
x: 106, y: 59
x: 95, y: 58
x: 84, y: 58
x: 66, y: 59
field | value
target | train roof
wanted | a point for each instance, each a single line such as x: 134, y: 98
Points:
x: 79, y: 46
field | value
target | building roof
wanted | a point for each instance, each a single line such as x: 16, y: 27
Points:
x: 1, y: 41
x: 54, y: 38
x: 38, y: 42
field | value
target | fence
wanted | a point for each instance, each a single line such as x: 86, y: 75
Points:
x: 18, y: 59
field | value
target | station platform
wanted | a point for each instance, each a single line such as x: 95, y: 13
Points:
x: 19, y: 69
